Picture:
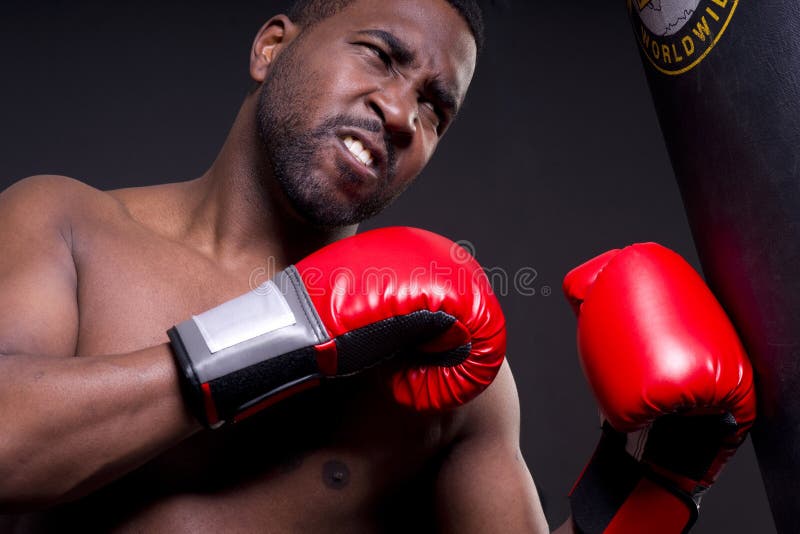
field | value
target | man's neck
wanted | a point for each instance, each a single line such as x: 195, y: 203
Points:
x: 236, y: 209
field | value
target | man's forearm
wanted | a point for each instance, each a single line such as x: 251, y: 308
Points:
x: 72, y: 425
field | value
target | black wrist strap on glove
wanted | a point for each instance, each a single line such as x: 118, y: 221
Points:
x: 250, y: 351
x: 609, y: 496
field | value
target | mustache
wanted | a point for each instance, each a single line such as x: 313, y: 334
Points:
x: 331, y: 124
x: 338, y: 121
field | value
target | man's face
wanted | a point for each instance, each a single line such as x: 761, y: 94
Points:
x: 352, y: 109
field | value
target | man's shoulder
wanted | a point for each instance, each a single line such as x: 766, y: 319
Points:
x: 52, y: 200
x: 494, y: 414
x: 51, y: 184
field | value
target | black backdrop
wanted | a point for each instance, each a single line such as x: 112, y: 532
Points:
x: 556, y: 157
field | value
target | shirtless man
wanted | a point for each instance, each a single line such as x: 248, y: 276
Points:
x: 98, y: 435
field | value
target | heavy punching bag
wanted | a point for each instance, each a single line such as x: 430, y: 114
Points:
x: 725, y: 79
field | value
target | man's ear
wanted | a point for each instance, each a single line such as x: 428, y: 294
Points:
x: 273, y: 36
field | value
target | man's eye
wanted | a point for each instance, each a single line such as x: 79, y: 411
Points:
x: 378, y: 51
x: 432, y: 112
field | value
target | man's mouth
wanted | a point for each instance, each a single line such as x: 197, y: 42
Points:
x: 357, y: 149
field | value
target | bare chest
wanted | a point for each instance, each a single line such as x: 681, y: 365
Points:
x: 341, y: 455
x: 133, y: 286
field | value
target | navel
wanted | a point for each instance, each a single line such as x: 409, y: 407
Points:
x: 335, y: 474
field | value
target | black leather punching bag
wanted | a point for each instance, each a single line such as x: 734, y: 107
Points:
x: 725, y: 79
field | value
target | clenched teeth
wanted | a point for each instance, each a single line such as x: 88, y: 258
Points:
x: 357, y: 149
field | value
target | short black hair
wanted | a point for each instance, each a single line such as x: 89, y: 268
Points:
x: 306, y: 13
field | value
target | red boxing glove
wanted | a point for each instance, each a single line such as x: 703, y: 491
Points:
x: 667, y: 367
x: 349, y: 306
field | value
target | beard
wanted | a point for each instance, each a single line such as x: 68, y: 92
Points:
x: 292, y: 149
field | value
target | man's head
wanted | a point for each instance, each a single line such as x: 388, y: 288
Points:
x: 355, y: 95
x: 306, y: 13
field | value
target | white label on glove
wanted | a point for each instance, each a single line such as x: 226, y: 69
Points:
x: 256, y: 313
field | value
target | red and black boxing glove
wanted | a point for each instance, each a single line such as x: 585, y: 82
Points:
x: 672, y: 381
x: 347, y: 307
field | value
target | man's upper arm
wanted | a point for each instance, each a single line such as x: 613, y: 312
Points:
x: 38, y: 303
x: 484, y: 484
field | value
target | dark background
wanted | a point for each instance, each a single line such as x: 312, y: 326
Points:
x: 556, y: 157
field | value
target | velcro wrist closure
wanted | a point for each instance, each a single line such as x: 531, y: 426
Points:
x: 248, y: 349
x: 616, y: 494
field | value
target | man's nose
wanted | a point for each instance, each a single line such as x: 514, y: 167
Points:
x: 396, y: 105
